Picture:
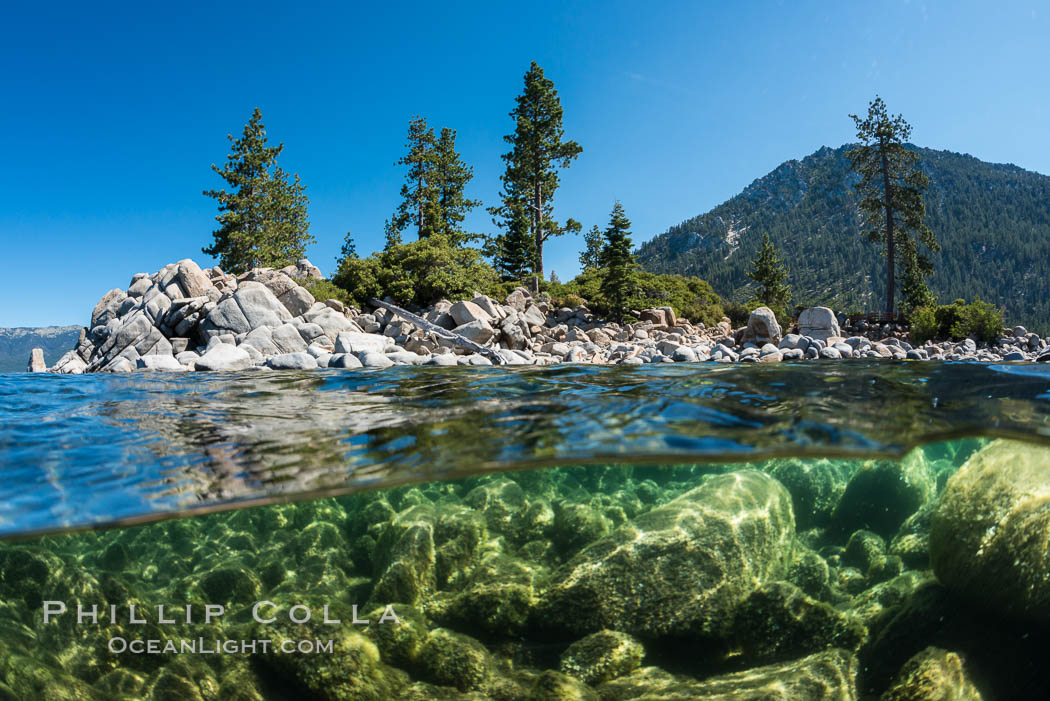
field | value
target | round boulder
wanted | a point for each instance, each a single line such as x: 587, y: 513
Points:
x: 989, y: 533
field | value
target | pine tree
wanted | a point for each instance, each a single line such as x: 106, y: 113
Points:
x: 263, y: 218
x: 769, y: 271
x: 592, y: 252
x: 531, y: 175
x: 891, y: 190
x: 392, y: 237
x: 513, y: 253
x: 619, y: 271
x: 349, y: 249
x: 419, y: 196
x: 451, y: 176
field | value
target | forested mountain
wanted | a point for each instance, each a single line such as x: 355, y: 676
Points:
x: 992, y: 221
x: 16, y: 345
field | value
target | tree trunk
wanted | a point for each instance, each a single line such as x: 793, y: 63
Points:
x: 537, y: 224
x: 889, y: 227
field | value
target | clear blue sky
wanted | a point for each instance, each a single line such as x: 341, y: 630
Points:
x: 113, y: 112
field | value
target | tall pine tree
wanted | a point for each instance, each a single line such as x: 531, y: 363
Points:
x: 263, y: 217
x: 619, y: 271
x: 770, y: 273
x: 418, y: 207
x: 451, y: 176
x: 531, y: 176
x: 513, y: 253
x: 891, y: 190
x: 592, y: 252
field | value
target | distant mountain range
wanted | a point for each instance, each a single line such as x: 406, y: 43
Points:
x: 16, y: 345
x: 992, y: 221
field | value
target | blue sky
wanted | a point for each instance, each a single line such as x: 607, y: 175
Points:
x: 113, y: 113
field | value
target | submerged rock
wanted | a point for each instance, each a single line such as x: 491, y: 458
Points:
x: 989, y: 535
x: 825, y: 676
x: 933, y: 675
x: 681, y: 568
x: 602, y: 656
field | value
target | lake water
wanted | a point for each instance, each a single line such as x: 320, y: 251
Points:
x: 570, y: 532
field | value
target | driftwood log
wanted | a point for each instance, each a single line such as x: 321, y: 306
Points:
x: 461, y: 341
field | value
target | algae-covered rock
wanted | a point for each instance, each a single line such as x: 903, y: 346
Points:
x: 602, y: 656
x: 682, y: 567
x: 808, y: 571
x: 399, y: 644
x: 989, y: 535
x: 882, y: 494
x: 555, y: 686
x: 452, y: 659
x: 933, y: 675
x: 404, y: 557
x: 815, y: 486
x: 779, y: 622
x: 825, y: 676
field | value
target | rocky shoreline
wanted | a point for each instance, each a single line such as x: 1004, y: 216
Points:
x: 185, y: 318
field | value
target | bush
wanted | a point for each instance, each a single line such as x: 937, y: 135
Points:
x: 418, y: 273
x: 980, y: 319
x: 738, y: 313
x: 957, y: 321
x: 923, y: 325
x: 690, y: 297
x: 326, y: 289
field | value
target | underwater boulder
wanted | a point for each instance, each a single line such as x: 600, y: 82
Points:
x: 779, y: 622
x: 404, y: 559
x: 453, y: 659
x: 556, y: 686
x: 815, y: 486
x: 602, y: 656
x: 825, y: 676
x: 681, y: 568
x: 882, y: 494
x: 989, y: 535
x: 933, y: 675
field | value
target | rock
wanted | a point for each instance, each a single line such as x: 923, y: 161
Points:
x: 779, y: 622
x: 36, y: 361
x: 224, y: 357
x: 107, y: 307
x: 297, y: 300
x: 657, y: 317
x: 351, y: 342
x: 444, y: 359
x: 657, y: 575
x: 830, y: 353
x: 534, y: 316
x: 466, y: 312
x: 1014, y: 356
x: 160, y: 362
x: 933, y: 674
x: 292, y: 361
x: 287, y: 339
x: 489, y: 307
x: 372, y: 359
x: 518, y: 299
x: 191, y: 279
x: 882, y: 494
x: 344, y: 361
x: 989, y: 533
x: 762, y: 327
x: 684, y: 354
x: 602, y: 656
x: 825, y: 676
x: 332, y: 323
x: 69, y: 364
x: 555, y: 686
x: 819, y: 323
x: 453, y: 659
x: 479, y: 332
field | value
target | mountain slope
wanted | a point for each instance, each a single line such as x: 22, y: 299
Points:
x: 992, y: 221
x: 17, y: 343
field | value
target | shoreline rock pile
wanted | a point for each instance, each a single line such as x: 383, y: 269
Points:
x: 187, y: 318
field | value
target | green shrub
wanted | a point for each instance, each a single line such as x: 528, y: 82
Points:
x: 980, y: 319
x: 738, y: 313
x: 923, y: 325
x: 419, y: 273
x: 326, y: 289
x: 957, y: 321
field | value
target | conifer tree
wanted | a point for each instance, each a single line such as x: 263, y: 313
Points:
x: 513, y: 253
x: 592, y: 252
x: 619, y: 271
x: 891, y: 190
x: 418, y: 207
x: 391, y: 235
x: 263, y: 217
x: 531, y: 176
x: 770, y: 273
x: 349, y: 249
x: 451, y: 176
